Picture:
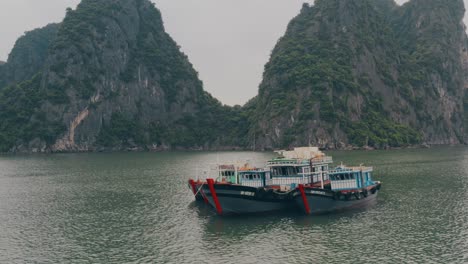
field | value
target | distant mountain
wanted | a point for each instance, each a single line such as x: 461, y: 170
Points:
x: 113, y: 79
x: 366, y: 73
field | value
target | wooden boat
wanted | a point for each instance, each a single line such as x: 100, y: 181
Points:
x: 299, y: 179
x: 350, y: 187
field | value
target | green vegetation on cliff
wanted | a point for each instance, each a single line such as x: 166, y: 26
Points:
x: 18, y: 103
x: 116, y: 80
x: 28, y: 55
x: 346, y: 73
x: 364, y: 73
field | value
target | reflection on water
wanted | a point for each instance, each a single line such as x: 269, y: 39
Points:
x: 136, y: 208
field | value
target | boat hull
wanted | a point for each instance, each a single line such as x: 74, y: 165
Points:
x: 236, y: 199
x: 319, y: 201
x: 195, y: 187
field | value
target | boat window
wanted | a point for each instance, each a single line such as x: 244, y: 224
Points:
x: 274, y: 171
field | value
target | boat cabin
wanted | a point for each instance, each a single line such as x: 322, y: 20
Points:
x: 227, y: 173
x: 253, y: 177
x: 348, y: 178
x: 291, y: 172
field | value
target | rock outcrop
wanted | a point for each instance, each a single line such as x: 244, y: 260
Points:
x: 366, y: 73
x: 114, y: 79
x: 28, y: 55
x: 347, y: 73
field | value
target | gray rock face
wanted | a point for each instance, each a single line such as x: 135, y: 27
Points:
x: 28, y: 55
x: 125, y: 63
x: 112, y: 79
x: 366, y: 73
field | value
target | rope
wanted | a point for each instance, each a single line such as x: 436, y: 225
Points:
x: 199, y: 189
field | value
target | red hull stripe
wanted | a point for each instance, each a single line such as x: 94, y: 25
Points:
x: 304, y: 199
x: 215, y: 197
x: 204, y: 197
x: 194, y: 188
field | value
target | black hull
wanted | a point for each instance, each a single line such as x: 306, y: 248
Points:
x: 230, y: 199
x: 195, y: 187
x: 321, y: 201
x: 235, y: 199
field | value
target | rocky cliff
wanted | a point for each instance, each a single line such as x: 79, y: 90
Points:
x: 113, y: 79
x: 28, y: 55
x: 366, y: 73
x: 346, y: 73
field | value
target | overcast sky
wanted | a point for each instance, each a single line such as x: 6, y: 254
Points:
x: 228, y: 41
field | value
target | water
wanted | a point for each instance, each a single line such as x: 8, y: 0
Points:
x: 136, y: 208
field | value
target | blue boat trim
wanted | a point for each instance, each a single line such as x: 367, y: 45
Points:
x: 245, y: 189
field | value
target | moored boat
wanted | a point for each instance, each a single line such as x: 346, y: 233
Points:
x: 251, y: 194
x: 350, y: 187
x: 226, y: 173
x: 298, y: 179
x: 255, y: 190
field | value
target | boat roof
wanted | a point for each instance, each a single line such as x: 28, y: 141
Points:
x: 226, y: 167
x: 256, y: 170
x: 306, y: 153
x: 290, y: 162
x: 299, y: 157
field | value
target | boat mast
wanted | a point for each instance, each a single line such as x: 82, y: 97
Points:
x: 321, y: 176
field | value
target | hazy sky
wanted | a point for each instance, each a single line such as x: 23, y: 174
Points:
x: 228, y: 41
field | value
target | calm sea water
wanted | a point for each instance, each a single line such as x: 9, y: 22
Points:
x: 136, y: 208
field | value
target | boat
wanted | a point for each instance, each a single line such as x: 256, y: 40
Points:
x: 226, y: 173
x: 253, y: 193
x: 350, y: 187
x: 299, y: 179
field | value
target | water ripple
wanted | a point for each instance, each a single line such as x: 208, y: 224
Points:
x: 136, y: 208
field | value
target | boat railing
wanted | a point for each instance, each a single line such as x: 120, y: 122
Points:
x: 344, y: 184
x: 351, y: 169
x: 285, y: 162
x: 288, y: 181
x: 253, y: 183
